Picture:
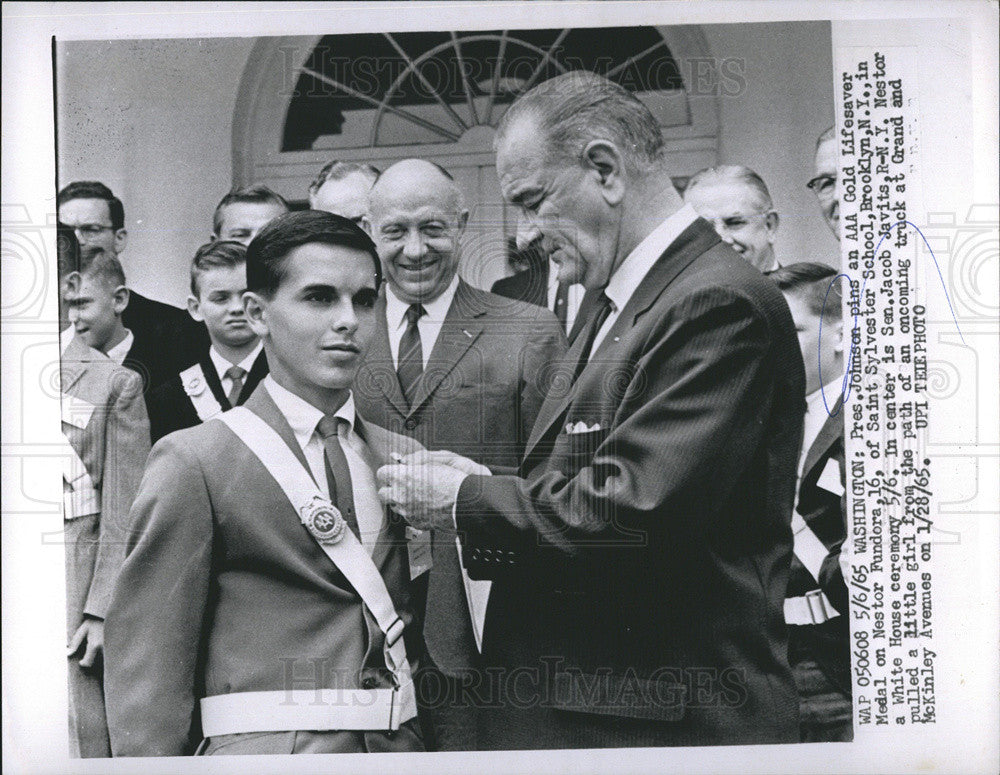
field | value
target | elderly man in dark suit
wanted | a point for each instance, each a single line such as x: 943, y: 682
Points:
x: 455, y: 368
x: 166, y: 338
x: 640, y: 551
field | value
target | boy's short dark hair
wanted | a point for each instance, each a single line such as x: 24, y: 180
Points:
x: 97, y: 263
x: 815, y: 284
x: 255, y: 194
x: 338, y: 170
x: 268, y: 251
x: 223, y: 254
x: 92, y: 189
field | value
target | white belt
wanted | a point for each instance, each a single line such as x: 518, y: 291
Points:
x: 307, y: 709
x: 811, y: 608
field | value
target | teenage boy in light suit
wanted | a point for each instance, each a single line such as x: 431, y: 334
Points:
x: 239, y: 619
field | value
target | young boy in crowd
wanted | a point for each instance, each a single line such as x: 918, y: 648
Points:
x: 234, y: 363
x: 96, y: 300
x: 244, y: 211
x: 107, y: 436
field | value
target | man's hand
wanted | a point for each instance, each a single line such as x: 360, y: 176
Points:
x: 424, y: 493
x: 89, y: 637
x: 444, y: 457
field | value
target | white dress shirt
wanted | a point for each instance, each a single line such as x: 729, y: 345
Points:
x: 637, y: 264
x: 120, y: 350
x: 303, y: 418
x: 573, y: 299
x: 222, y: 365
x: 429, y: 325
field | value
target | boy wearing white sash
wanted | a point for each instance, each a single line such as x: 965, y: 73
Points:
x: 263, y: 607
x: 230, y: 368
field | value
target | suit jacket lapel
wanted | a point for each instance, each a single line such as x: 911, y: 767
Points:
x: 827, y: 435
x: 377, y: 371
x: 460, y: 330
x: 382, y: 445
x: 73, y: 363
x: 691, y: 243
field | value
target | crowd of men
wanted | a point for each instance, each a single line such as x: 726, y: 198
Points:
x: 348, y: 502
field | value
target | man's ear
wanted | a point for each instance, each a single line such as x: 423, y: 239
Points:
x: 604, y: 160
x: 194, y: 309
x: 836, y: 334
x: 771, y: 222
x: 254, y: 307
x: 120, y: 296
x: 121, y: 240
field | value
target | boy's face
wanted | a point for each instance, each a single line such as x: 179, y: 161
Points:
x: 241, y: 221
x: 95, y: 309
x: 219, y: 305
x: 821, y: 342
x: 317, y: 326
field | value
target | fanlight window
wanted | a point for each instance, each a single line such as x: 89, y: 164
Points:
x: 420, y: 88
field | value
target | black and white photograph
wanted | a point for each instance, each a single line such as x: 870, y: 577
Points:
x: 605, y: 386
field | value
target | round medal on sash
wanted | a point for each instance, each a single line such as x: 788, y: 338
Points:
x: 323, y: 520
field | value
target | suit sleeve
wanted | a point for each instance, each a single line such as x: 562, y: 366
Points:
x: 126, y: 447
x: 154, y: 627
x: 831, y: 576
x: 696, y: 402
x: 546, y: 345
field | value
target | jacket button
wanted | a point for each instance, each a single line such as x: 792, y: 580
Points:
x: 369, y: 683
x: 475, y: 554
x: 411, y: 423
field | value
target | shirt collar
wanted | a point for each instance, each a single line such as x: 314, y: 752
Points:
x: 222, y: 365
x: 553, y: 273
x: 302, y: 416
x: 637, y: 264
x: 395, y: 308
x: 120, y: 350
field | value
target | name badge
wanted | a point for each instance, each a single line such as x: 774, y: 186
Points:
x: 418, y: 547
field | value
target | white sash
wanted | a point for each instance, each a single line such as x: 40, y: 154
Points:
x: 813, y: 608
x: 197, y: 389
x: 347, y: 554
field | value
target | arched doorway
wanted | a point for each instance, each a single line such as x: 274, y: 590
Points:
x: 380, y: 97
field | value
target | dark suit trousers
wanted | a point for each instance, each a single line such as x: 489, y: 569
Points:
x: 88, y: 723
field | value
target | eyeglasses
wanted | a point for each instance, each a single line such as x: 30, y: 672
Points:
x: 91, y: 229
x: 822, y: 185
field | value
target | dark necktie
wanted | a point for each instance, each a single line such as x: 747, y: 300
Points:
x: 236, y: 374
x: 562, y: 303
x: 598, y: 314
x: 338, y: 473
x: 411, y: 354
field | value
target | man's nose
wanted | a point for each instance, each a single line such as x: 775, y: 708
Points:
x: 344, y: 317
x: 413, y: 247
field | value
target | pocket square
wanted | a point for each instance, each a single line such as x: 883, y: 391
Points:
x: 575, y: 428
x: 76, y: 411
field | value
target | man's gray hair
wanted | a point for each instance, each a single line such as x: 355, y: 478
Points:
x: 734, y: 173
x: 577, y: 107
x: 338, y: 170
